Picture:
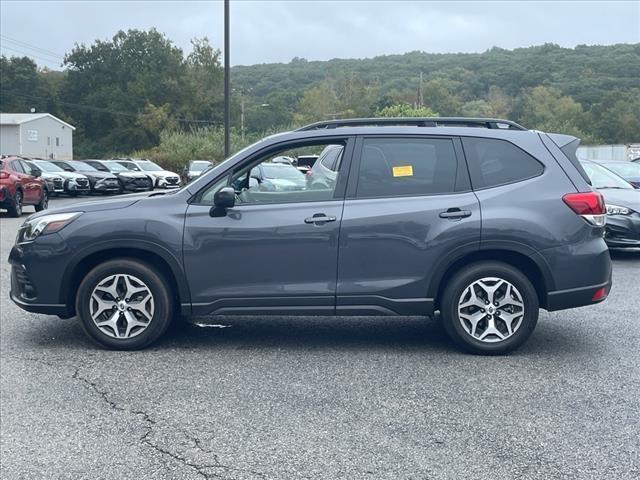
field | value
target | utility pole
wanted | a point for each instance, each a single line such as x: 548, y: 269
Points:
x: 227, y: 112
x: 242, y: 117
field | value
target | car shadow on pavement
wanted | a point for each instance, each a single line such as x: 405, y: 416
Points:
x: 299, y: 334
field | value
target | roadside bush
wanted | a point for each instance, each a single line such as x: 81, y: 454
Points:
x: 176, y: 147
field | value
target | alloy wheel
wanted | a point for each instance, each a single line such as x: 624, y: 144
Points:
x: 491, y: 309
x: 121, y: 306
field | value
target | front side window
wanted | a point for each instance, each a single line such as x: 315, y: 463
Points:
x: 267, y: 182
x: 494, y: 162
x: 407, y: 166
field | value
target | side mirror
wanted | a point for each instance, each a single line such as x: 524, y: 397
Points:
x: 222, y: 200
x: 36, y: 172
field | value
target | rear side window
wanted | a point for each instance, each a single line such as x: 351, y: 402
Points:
x: 494, y: 162
x: 17, y: 166
x: 406, y: 166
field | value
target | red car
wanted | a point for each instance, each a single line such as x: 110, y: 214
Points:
x: 20, y: 185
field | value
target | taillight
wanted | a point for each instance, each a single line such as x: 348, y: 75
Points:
x: 4, y: 175
x: 589, y: 205
x: 600, y: 294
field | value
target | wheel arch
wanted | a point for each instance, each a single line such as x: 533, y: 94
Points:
x: 156, y: 258
x: 537, y: 274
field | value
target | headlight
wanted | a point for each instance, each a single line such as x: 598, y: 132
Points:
x: 45, y: 225
x: 617, y: 210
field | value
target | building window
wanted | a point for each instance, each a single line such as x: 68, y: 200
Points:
x: 57, y: 141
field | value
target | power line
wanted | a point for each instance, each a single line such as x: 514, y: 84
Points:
x: 100, y: 109
x: 29, y: 54
x: 31, y: 47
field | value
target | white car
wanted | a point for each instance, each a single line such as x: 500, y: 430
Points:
x: 161, y: 178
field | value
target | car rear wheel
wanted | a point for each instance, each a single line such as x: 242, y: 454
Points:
x: 44, y: 203
x: 489, y: 308
x: 124, y: 304
x: 15, y: 208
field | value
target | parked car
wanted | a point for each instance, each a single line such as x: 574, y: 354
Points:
x: 622, y: 204
x: 194, y: 169
x: 55, y: 183
x: 99, y: 182
x: 162, y: 178
x: 128, y: 180
x: 479, y: 219
x: 325, y: 169
x: 627, y: 170
x: 73, y: 183
x: 305, y: 162
x: 277, y: 177
x: 20, y: 186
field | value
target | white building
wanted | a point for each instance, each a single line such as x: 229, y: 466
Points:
x: 38, y: 135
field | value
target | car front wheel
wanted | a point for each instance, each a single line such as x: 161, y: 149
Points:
x: 489, y: 308
x: 44, y: 203
x: 15, y: 208
x: 124, y: 304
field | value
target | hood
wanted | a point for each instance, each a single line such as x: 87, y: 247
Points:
x: 622, y: 198
x: 50, y: 175
x: 162, y: 174
x: 98, y: 175
x: 95, y: 206
x: 69, y: 175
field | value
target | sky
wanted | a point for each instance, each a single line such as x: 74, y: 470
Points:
x: 277, y: 31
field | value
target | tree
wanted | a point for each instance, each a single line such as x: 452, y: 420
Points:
x: 110, y: 82
x: 545, y: 108
x: 20, y: 85
x: 405, y: 110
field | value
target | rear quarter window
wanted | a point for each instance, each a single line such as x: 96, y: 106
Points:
x: 494, y: 162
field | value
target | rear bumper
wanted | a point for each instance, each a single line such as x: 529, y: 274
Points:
x: 577, y: 297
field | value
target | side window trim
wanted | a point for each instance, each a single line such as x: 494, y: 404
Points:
x: 341, y: 183
x: 462, y: 184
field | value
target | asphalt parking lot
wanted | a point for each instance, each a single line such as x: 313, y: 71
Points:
x: 326, y: 398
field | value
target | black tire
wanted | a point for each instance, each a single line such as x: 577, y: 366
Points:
x: 44, y: 203
x: 452, y: 296
x: 156, y: 284
x: 15, y: 208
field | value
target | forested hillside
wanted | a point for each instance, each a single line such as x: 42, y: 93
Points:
x: 140, y: 92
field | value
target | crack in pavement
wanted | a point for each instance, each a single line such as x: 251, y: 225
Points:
x: 202, y: 469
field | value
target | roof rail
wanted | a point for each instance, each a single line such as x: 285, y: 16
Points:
x: 492, y: 123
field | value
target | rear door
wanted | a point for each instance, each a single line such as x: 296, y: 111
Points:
x: 409, y: 209
x: 29, y: 187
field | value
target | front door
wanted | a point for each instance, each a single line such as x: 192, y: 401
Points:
x: 275, y: 251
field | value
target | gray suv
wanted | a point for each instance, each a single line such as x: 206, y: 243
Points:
x: 478, y: 219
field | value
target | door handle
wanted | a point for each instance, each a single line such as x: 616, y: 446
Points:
x: 455, y: 213
x: 320, y: 219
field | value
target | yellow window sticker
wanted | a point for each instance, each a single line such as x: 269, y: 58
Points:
x: 403, y: 171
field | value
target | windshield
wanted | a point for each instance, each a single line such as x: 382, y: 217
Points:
x: 47, y: 166
x: 199, y: 166
x: 116, y: 167
x: 626, y: 169
x: 81, y: 166
x: 149, y: 166
x: 282, y: 171
x: 603, y: 178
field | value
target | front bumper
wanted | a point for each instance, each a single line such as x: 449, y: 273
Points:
x: 36, y: 276
x: 136, y: 184
x: 623, y: 231
x: 168, y: 183
x: 102, y: 186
